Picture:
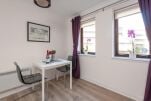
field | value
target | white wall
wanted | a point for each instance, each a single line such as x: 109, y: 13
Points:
x: 126, y: 77
x: 14, y: 46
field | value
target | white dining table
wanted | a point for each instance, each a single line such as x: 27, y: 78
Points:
x: 52, y: 65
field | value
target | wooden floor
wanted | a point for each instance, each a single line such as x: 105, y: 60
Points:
x: 82, y: 91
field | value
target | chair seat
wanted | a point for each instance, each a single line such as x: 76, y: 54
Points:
x: 33, y: 78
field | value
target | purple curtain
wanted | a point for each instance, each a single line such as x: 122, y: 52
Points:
x: 75, y: 35
x: 145, y: 6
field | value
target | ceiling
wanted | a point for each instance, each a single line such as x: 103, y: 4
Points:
x: 72, y: 7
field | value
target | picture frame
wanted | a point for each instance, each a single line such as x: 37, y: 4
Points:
x: 38, y: 32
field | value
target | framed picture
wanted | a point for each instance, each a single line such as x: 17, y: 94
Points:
x: 37, y: 32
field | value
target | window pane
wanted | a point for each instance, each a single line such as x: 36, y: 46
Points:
x: 89, y: 40
x: 89, y: 37
x: 91, y: 47
x: 126, y: 42
x: 89, y: 28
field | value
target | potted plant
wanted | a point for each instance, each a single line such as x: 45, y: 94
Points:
x: 131, y: 35
x: 48, y: 58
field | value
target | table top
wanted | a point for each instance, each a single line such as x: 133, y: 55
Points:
x: 54, y: 64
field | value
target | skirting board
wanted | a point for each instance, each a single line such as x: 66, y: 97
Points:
x: 13, y: 91
x: 17, y: 89
x: 113, y: 89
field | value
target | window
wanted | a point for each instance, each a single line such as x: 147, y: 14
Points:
x: 130, y: 35
x: 87, y: 38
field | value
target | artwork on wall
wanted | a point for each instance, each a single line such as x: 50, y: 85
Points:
x: 37, y: 32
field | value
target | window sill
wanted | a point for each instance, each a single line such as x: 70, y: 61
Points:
x: 133, y: 59
x: 87, y: 55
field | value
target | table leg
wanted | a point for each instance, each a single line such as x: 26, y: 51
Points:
x: 43, y: 84
x: 71, y: 75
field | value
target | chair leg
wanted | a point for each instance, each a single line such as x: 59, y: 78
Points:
x: 33, y: 87
x: 65, y: 80
x: 56, y: 75
x: 47, y: 84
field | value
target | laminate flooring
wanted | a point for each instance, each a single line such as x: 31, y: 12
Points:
x: 56, y: 91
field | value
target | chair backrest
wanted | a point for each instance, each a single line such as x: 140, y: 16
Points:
x: 70, y: 58
x: 19, y: 73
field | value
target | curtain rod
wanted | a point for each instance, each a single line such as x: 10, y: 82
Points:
x: 117, y: 2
